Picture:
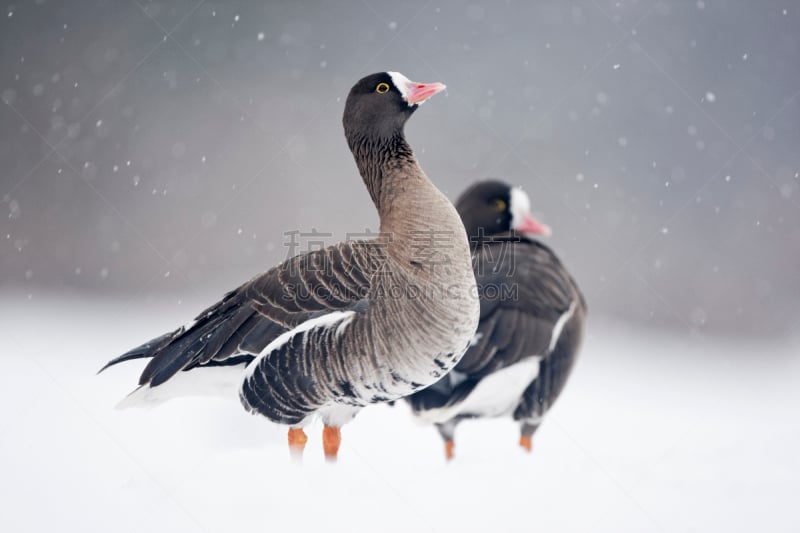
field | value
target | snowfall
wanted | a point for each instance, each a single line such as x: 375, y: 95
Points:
x: 654, y: 432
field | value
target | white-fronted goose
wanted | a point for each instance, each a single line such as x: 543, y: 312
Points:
x: 532, y: 316
x: 331, y: 331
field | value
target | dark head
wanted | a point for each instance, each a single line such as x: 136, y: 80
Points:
x: 498, y: 208
x: 379, y: 104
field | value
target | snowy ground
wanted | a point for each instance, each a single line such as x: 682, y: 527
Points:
x: 652, y: 434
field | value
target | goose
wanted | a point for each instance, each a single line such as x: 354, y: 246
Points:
x: 531, y: 321
x: 328, y: 332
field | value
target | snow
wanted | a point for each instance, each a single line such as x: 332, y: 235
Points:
x: 653, y: 433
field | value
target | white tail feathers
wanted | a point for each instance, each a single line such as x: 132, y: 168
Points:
x: 212, y: 381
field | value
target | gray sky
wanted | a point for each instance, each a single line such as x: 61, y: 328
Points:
x: 167, y: 147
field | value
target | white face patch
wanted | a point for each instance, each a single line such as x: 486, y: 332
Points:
x: 520, y: 206
x: 401, y: 82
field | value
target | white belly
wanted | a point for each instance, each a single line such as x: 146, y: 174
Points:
x: 495, y: 395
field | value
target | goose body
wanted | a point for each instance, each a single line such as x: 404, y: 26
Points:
x: 328, y: 332
x: 531, y: 321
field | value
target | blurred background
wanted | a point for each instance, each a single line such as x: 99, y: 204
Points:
x: 167, y: 147
x: 156, y: 154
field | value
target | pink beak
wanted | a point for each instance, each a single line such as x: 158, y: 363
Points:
x: 419, y: 92
x: 531, y: 226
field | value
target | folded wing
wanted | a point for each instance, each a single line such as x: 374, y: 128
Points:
x: 248, y: 318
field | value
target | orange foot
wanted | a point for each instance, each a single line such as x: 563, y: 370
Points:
x: 526, y: 443
x: 448, y: 449
x: 297, y: 442
x: 331, y: 439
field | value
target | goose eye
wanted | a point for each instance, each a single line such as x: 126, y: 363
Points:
x: 382, y: 88
x: 499, y: 204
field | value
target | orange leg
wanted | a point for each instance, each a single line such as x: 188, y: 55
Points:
x: 297, y: 442
x: 331, y: 439
x: 526, y: 442
x: 448, y: 449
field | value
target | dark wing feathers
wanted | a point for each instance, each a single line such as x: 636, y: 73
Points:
x: 524, y: 291
x: 324, y: 280
x: 507, y: 337
x: 247, y: 319
x: 553, y: 372
x: 441, y: 394
x: 145, y: 350
x: 194, y: 345
x: 230, y: 329
x: 261, y: 333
